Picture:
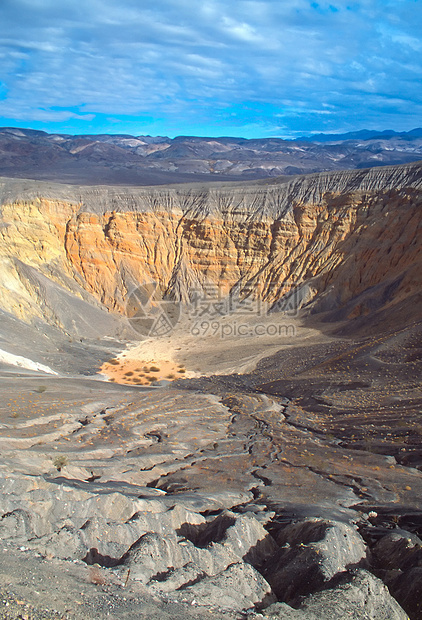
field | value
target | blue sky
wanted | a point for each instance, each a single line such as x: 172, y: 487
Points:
x: 251, y: 68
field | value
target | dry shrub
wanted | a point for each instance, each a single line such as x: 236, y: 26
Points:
x: 60, y: 461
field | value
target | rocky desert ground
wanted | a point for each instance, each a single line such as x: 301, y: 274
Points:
x: 211, y: 399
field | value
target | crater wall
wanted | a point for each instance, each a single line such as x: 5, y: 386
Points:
x: 353, y: 237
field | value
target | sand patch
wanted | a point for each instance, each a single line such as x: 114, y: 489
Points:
x: 141, y: 372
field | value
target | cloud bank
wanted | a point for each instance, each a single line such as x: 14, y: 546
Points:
x: 248, y: 67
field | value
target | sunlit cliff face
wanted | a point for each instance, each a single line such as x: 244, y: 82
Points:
x: 341, y: 233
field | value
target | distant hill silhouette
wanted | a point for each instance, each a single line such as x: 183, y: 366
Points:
x: 122, y: 159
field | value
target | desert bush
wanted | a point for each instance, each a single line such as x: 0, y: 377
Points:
x: 60, y: 461
x: 154, y: 369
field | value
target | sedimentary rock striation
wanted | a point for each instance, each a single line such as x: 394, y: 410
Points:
x: 292, y: 489
x: 352, y: 238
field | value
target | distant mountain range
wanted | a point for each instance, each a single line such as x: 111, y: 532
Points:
x: 364, y: 134
x: 147, y: 160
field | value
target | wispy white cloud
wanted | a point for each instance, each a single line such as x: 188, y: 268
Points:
x: 340, y: 64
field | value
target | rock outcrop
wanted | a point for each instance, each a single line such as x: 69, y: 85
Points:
x: 226, y: 491
x: 350, y: 238
x: 360, y: 596
x: 312, y: 552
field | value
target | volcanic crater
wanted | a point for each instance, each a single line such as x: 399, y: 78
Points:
x: 249, y: 441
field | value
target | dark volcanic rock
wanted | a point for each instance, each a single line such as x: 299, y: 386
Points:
x: 397, y: 557
x: 407, y: 589
x: 360, y: 596
x: 397, y: 550
x: 312, y: 552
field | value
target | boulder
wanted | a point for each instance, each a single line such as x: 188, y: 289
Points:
x: 360, y: 596
x: 407, y: 589
x: 242, y: 536
x: 312, y: 553
x: 152, y: 555
x: 249, y: 540
x: 239, y: 586
x: 399, y: 549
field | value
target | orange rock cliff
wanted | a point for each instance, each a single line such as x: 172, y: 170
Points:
x: 354, y: 238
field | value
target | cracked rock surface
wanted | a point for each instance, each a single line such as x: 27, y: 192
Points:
x: 203, y: 498
x: 282, y: 477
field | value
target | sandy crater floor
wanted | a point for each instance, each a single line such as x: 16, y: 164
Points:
x: 232, y: 345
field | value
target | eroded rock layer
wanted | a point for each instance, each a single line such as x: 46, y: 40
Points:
x: 353, y: 238
x: 280, y: 492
